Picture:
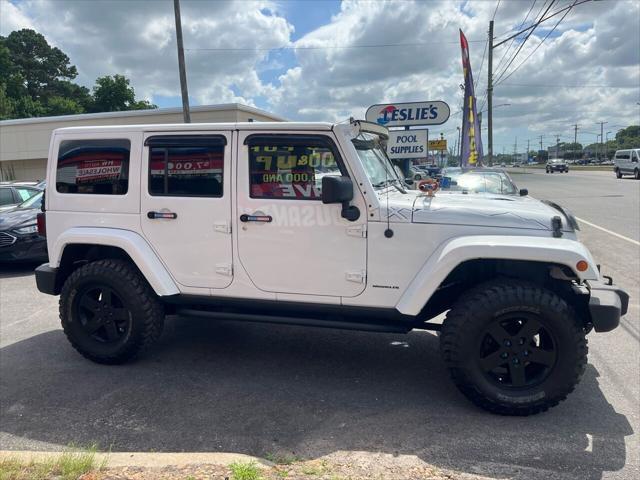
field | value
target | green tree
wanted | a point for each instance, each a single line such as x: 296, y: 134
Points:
x: 36, y: 64
x: 36, y: 79
x: 628, y: 137
x: 113, y: 94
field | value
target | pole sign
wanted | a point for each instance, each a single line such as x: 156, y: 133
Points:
x: 405, y: 114
x: 407, y: 144
x: 440, y: 145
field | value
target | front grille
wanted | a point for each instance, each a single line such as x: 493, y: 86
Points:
x: 6, y: 239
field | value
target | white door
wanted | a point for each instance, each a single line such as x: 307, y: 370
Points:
x: 186, y: 205
x: 288, y: 240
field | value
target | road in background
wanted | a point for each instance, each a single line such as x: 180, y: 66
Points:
x: 596, y: 196
x: 262, y: 389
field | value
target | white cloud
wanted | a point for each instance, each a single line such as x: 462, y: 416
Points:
x: 12, y: 18
x: 597, y: 44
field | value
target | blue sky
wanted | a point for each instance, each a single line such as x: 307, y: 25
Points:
x: 305, y: 17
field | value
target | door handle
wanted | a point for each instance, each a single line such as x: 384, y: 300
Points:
x: 256, y: 218
x: 169, y: 215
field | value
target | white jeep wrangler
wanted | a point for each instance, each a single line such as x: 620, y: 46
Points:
x: 308, y: 224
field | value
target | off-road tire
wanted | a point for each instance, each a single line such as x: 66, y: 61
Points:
x: 146, y: 311
x: 618, y: 173
x: 465, y: 325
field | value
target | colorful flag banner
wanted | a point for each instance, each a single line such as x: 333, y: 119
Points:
x: 471, y: 135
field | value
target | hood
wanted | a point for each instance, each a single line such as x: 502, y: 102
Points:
x: 455, y: 208
x: 507, y: 211
x: 15, y: 217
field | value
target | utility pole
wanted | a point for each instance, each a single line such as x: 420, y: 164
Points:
x: 601, y: 136
x: 515, y: 150
x: 490, y: 95
x: 181, y: 67
x: 527, y: 150
x: 575, y: 139
x: 557, y: 146
x: 545, y: 16
x: 460, y: 146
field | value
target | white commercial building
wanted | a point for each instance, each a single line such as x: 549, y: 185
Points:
x: 24, y: 143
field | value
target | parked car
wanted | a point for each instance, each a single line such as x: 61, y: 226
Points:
x: 14, y: 193
x: 19, y: 238
x: 229, y: 224
x: 626, y: 163
x: 432, y: 171
x: 479, y: 180
x: 557, y: 165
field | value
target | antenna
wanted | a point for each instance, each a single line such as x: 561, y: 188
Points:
x: 388, y: 232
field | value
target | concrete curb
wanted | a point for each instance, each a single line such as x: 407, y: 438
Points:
x: 142, y: 459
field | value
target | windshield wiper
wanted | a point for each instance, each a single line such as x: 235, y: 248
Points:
x: 391, y: 181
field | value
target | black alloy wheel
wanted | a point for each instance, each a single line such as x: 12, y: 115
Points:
x: 516, y: 350
x: 102, y: 314
x: 109, y: 312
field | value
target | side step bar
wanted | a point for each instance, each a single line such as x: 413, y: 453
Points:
x: 307, y: 322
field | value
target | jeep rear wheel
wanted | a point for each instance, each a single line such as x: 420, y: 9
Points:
x: 513, y: 348
x: 109, y: 313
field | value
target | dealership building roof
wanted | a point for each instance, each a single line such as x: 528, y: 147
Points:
x: 24, y: 142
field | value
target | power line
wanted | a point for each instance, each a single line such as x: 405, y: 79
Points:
x: 485, y: 48
x: 513, y: 37
x: 327, y: 47
x: 538, y: 46
x: 557, y: 85
x: 497, y: 81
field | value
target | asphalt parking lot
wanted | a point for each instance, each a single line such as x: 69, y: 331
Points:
x: 262, y: 389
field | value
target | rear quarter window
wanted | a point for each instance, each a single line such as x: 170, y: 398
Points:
x: 99, y: 167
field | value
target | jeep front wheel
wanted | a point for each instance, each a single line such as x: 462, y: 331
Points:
x: 513, y: 348
x: 618, y: 173
x: 109, y: 313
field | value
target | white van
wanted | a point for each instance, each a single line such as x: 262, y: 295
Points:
x: 626, y: 163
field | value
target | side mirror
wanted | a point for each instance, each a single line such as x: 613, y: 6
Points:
x: 340, y: 190
x: 336, y: 189
x: 524, y: 192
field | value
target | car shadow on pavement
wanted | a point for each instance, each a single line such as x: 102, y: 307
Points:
x: 263, y: 389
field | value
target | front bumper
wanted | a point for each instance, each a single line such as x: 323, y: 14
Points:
x: 607, y: 303
x: 47, y: 279
x: 25, y: 248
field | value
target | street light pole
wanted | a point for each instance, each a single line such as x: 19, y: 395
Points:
x: 459, y: 146
x: 183, y: 72
x: 601, y: 136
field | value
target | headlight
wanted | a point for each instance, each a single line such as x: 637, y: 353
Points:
x: 26, y: 229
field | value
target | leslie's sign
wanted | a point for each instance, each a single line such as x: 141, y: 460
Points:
x: 404, y: 114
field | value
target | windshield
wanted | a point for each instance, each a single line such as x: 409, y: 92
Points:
x: 480, y: 182
x: 374, y: 159
x: 33, y: 202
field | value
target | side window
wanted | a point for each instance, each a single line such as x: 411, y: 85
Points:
x: 6, y: 196
x: 634, y: 156
x: 179, y: 166
x: 93, y: 166
x: 290, y: 167
x: 25, y: 193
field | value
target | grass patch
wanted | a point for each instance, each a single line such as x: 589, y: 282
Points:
x: 245, y: 471
x: 316, y: 468
x: 70, y: 465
